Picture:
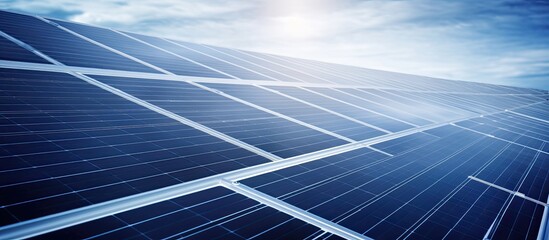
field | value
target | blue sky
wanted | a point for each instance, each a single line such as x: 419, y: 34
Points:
x: 503, y: 42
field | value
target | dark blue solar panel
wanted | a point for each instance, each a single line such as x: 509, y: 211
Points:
x: 391, y: 197
x: 443, y: 131
x: 282, y: 67
x: 403, y: 143
x: 436, y: 111
x: 408, y: 112
x: 445, y: 99
x: 499, y: 126
x: 499, y: 102
x: 467, y: 214
x: 184, y: 49
x: 268, y: 132
x: 142, y: 51
x: 390, y: 124
x: 75, y: 144
x: 538, y: 111
x: 211, y: 214
x: 309, y: 66
x: 520, y: 221
x: 12, y: 52
x: 240, y: 60
x: 265, y: 67
x: 300, y: 111
x: 66, y: 144
x: 62, y: 46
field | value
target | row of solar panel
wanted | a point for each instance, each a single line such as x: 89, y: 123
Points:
x: 215, y: 213
x: 422, y: 192
x: 76, y: 144
x: 85, y: 46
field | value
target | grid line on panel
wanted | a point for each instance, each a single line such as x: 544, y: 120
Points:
x: 321, y: 70
x: 334, y: 178
x: 254, y: 64
x: 173, y: 116
x: 523, y: 135
x: 159, y: 76
x: 273, y: 112
x: 544, y: 225
x: 203, y: 87
x: 283, y: 66
x: 509, y: 197
x: 357, y: 209
x: 418, y: 194
x: 460, y: 186
x: 277, y: 190
x: 400, y: 102
x: 287, y: 143
x: 292, y: 211
x: 323, y: 109
x: 174, y: 54
x: 92, y: 212
x: 228, y: 62
x: 440, y: 104
x: 30, y: 48
x: 179, y: 118
x: 96, y: 211
x: 505, y: 140
x: 104, y: 46
x: 515, y: 193
x: 469, y: 179
x: 407, y: 116
x: 527, y: 116
x: 359, y: 107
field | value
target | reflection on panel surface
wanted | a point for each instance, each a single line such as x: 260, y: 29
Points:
x: 263, y: 130
x: 423, y: 191
x: 67, y: 144
x: 147, y: 144
x: 215, y: 213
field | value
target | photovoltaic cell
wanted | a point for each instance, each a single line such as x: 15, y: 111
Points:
x: 441, y: 159
x: 186, y: 50
x: 215, y: 213
x: 538, y: 111
x: 62, y: 46
x: 386, y: 106
x: 269, y: 69
x: 142, y: 51
x: 12, y: 52
x: 535, y: 137
x: 74, y: 145
x: 398, y: 145
x: 263, y: 130
x: 363, y: 114
x: 519, y: 221
x: 385, y: 198
x: 300, y: 111
x: 305, y: 75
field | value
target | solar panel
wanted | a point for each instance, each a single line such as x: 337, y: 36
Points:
x: 75, y: 144
x: 63, y: 46
x: 184, y: 140
x: 212, y: 213
x: 166, y: 61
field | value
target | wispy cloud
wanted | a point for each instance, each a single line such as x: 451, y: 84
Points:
x: 501, y: 42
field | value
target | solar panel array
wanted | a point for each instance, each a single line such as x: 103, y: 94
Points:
x: 109, y: 134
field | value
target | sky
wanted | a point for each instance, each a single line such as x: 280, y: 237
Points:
x: 502, y: 42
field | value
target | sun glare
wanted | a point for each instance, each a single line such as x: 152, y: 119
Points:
x: 295, y: 27
x: 296, y: 21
